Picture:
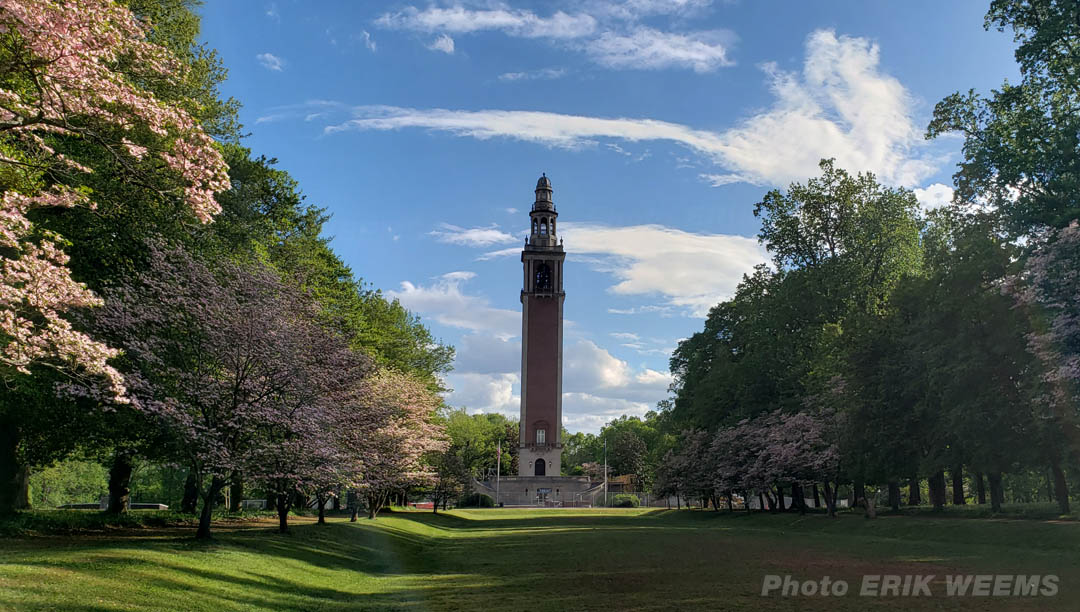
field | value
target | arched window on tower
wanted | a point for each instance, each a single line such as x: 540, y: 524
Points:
x: 535, y: 226
x: 543, y: 277
x: 543, y: 227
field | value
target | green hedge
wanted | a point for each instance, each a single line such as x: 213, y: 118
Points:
x: 625, y: 500
x: 476, y: 500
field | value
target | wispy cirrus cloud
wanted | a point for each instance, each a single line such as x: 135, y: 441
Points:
x: 649, y: 49
x: 271, y: 61
x: 690, y: 271
x: 368, y: 41
x: 839, y: 105
x: 545, y: 74
x: 445, y: 302
x: 515, y: 22
x: 634, y: 10
x: 626, y: 47
x: 442, y: 43
x: 472, y: 236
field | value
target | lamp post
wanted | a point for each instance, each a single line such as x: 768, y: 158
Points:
x: 605, y: 473
x: 498, y: 471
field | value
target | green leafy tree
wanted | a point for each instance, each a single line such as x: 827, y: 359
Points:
x: 1022, y: 142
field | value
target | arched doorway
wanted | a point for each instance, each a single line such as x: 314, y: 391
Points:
x: 541, y: 467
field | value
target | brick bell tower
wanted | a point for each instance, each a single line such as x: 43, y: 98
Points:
x: 542, y: 296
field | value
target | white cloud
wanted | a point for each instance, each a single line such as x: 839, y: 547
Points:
x: 545, y: 74
x: 587, y: 367
x: 272, y: 11
x: 485, y: 393
x: 271, y: 61
x: 500, y: 253
x: 514, y: 22
x: 719, y: 180
x: 487, y: 354
x: 692, y: 271
x: 443, y: 43
x: 625, y: 336
x: 636, y: 9
x: 368, y: 41
x: 934, y: 196
x: 649, y: 49
x: 444, y: 301
x: 589, y: 413
x: 473, y: 236
x: 841, y: 105
x: 597, y: 385
x: 511, y: 211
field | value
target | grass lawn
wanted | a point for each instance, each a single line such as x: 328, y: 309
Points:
x: 503, y: 559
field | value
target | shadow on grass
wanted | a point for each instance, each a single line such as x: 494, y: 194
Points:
x: 656, y: 559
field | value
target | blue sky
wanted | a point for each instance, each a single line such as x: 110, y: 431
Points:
x: 423, y: 127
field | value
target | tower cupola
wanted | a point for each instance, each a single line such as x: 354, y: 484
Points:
x: 543, y: 194
x: 543, y: 215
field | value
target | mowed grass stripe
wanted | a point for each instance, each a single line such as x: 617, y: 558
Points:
x: 528, y: 559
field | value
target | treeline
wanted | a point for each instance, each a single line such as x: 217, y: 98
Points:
x: 168, y: 297
x: 886, y: 345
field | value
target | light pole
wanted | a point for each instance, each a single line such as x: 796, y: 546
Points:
x: 498, y: 471
x: 605, y: 472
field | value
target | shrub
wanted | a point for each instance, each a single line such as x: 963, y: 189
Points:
x: 476, y: 500
x: 625, y: 500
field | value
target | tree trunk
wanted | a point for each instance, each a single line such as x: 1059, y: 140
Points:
x: 858, y: 492
x: 761, y: 501
x: 283, y: 505
x: 22, y: 488
x: 336, y: 507
x: 190, y: 501
x: 216, y: 484
x: 236, y: 495
x: 730, y: 501
x: 817, y: 498
x: 957, y: 473
x: 936, y: 483
x: 868, y: 503
x: 11, y: 480
x: 980, y: 489
x: 1061, y: 488
x: 299, y: 500
x: 996, y: 494
x: 830, y: 499
x: 120, y: 482
x: 780, y: 497
x: 914, y: 495
x: 321, y: 500
x: 894, y: 495
x: 798, y: 498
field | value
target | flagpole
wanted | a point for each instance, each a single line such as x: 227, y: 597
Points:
x: 498, y: 471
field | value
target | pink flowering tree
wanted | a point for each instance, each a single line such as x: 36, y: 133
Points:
x: 393, y: 454
x: 310, y: 450
x: 777, y: 450
x: 1052, y: 291
x: 236, y: 367
x: 61, y: 78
